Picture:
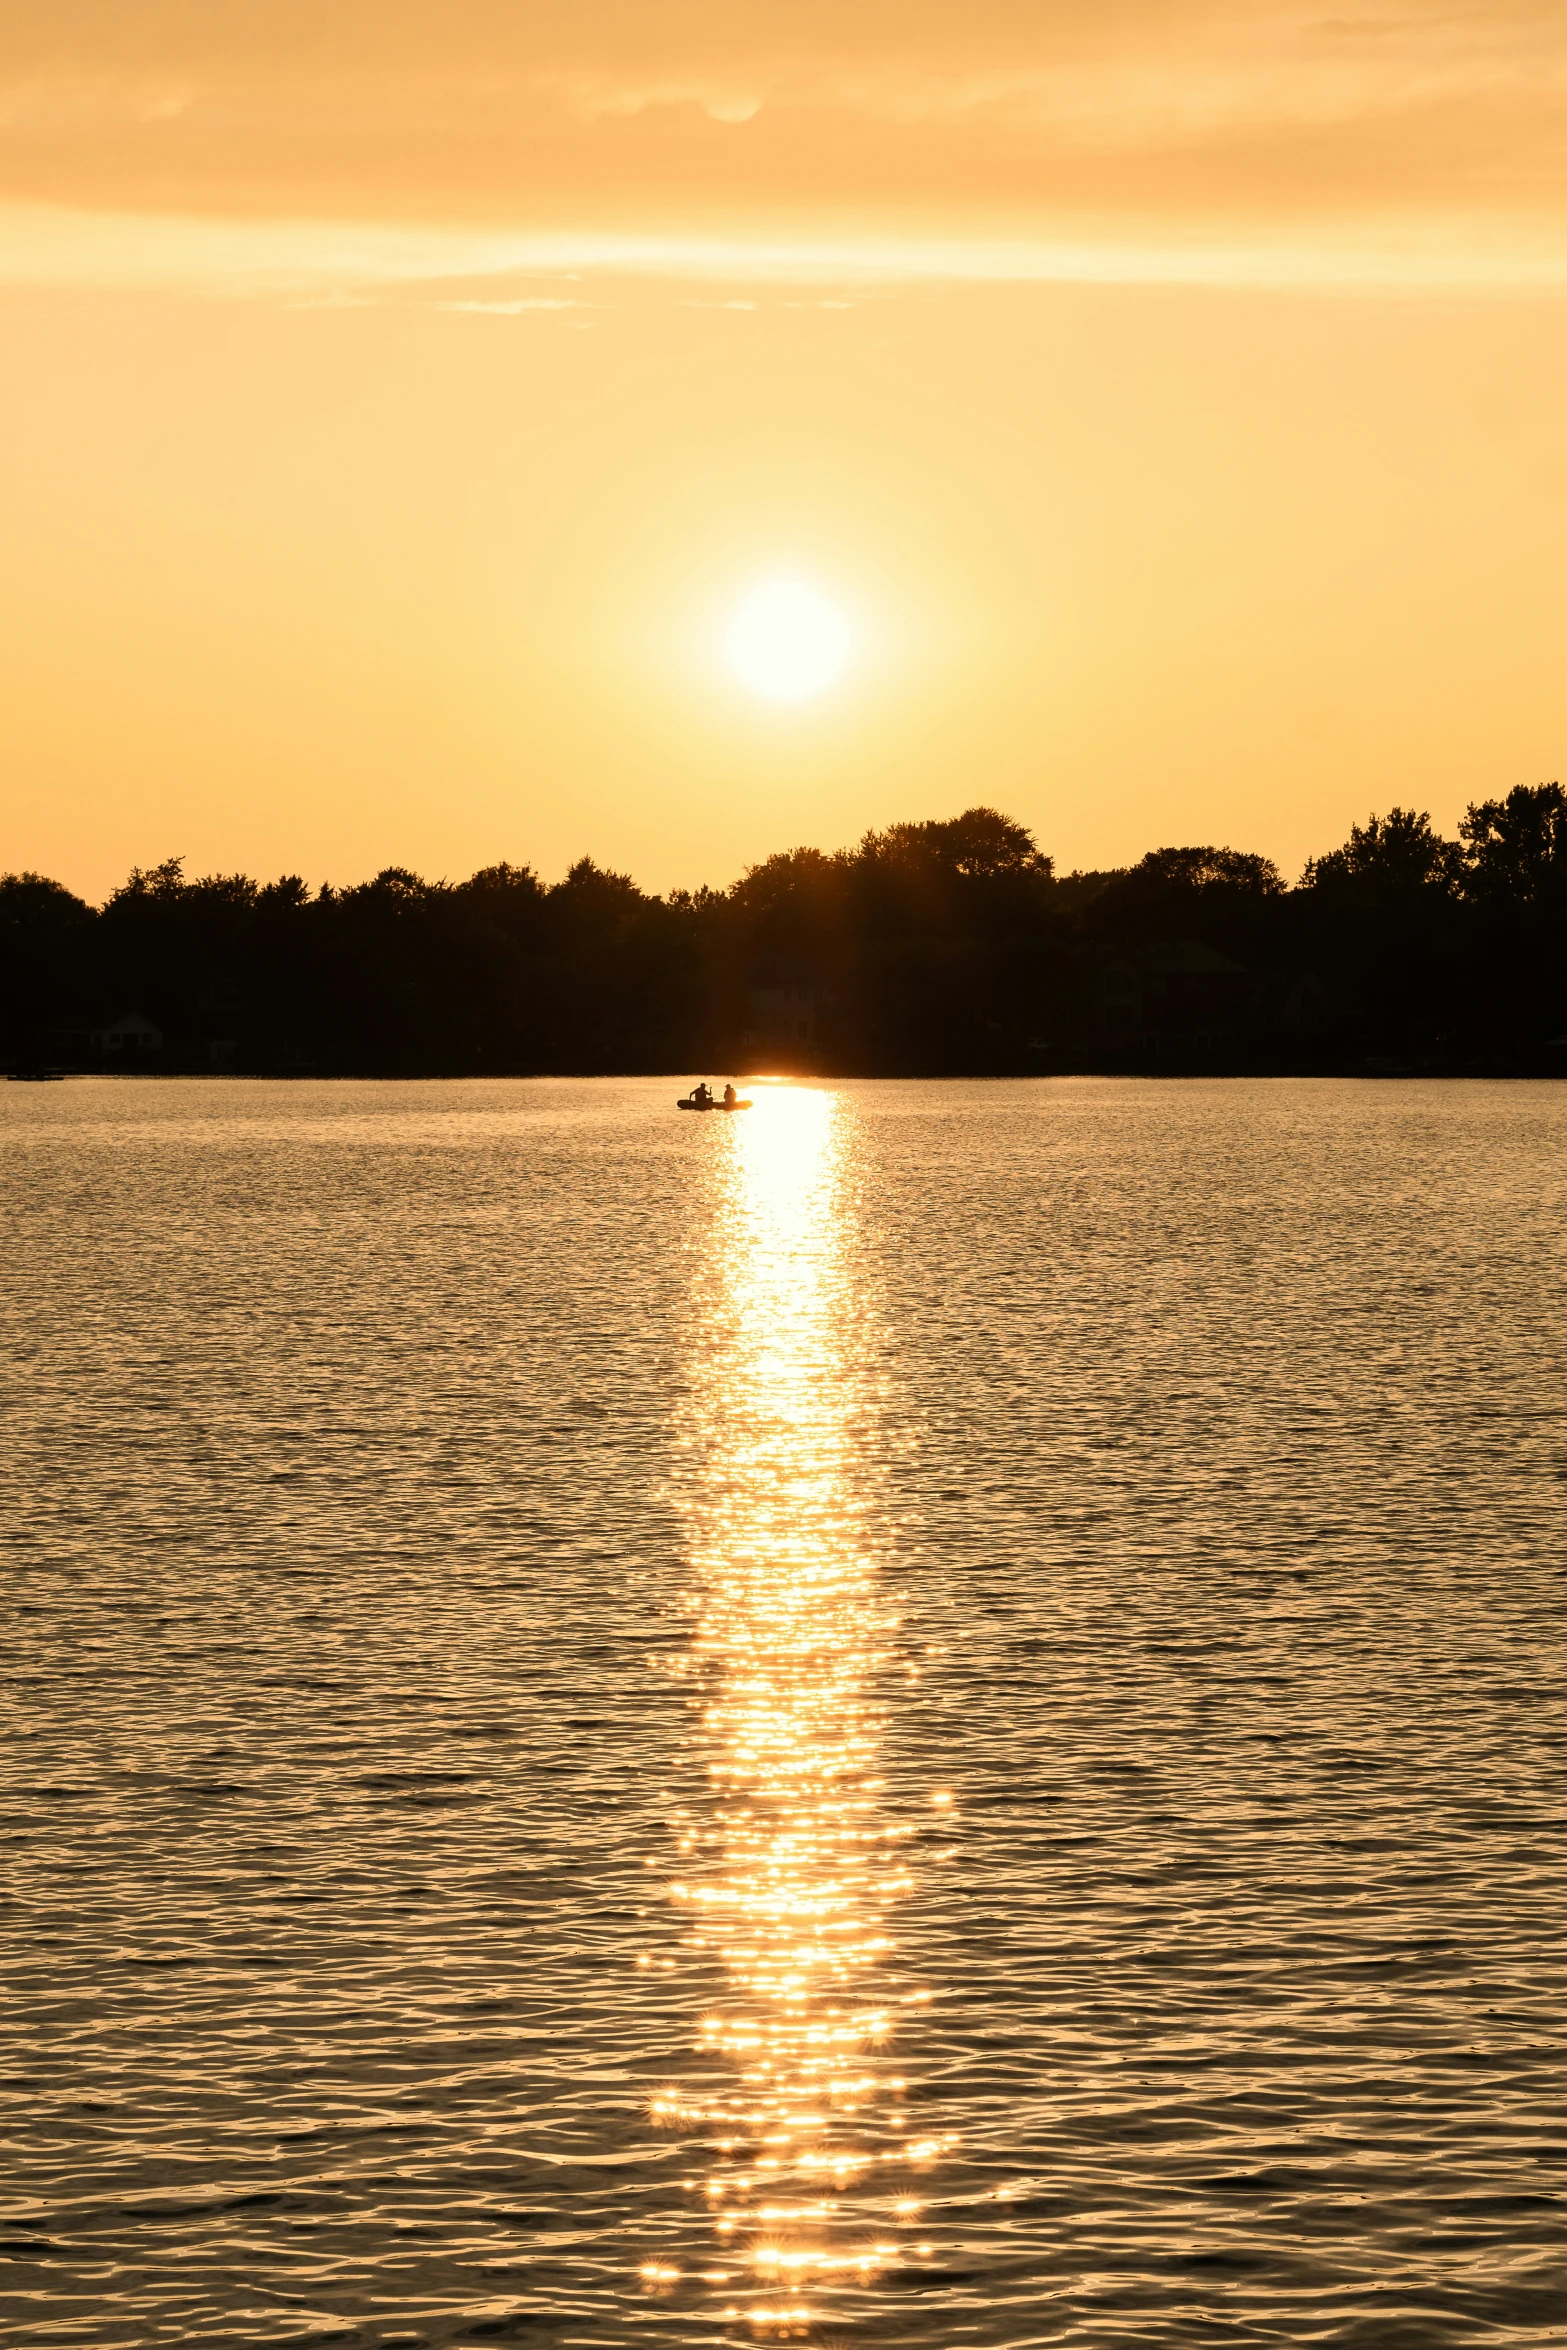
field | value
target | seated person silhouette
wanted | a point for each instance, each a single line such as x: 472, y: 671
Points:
x: 729, y: 1097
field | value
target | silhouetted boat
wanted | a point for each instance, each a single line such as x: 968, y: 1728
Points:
x: 691, y: 1103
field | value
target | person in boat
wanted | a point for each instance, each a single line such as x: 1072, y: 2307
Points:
x: 700, y: 1094
x: 729, y: 1097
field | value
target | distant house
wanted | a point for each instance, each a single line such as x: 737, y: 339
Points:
x: 1172, y: 993
x: 129, y: 1038
x: 1194, y: 995
x: 1297, y: 1003
x: 784, y: 1016
x: 1114, y: 991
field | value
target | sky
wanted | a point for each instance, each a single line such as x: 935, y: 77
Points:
x: 397, y: 401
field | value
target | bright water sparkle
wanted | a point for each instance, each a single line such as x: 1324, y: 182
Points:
x: 931, y: 1716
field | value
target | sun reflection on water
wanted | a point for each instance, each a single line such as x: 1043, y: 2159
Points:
x: 800, y: 2102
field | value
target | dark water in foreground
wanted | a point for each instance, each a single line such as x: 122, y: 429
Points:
x: 934, y: 1716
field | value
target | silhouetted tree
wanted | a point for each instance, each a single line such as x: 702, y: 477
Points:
x: 1227, y: 899
x: 941, y: 945
x: 47, y: 963
x: 1514, y: 879
x: 1384, y: 912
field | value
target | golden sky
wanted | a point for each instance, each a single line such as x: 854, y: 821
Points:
x: 397, y: 398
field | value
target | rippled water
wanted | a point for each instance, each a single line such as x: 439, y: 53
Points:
x: 931, y: 1716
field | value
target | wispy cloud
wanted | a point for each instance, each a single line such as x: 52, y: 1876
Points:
x: 514, y: 308
x: 1181, y: 139
x: 345, y: 262
x: 605, y: 97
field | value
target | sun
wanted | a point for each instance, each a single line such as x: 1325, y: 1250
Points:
x: 787, y: 641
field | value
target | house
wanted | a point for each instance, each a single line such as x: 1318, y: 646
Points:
x: 132, y: 1037
x: 1297, y: 1004
x: 1194, y: 995
x: 1171, y: 993
x: 784, y: 1016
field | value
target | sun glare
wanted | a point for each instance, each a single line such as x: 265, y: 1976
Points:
x: 787, y: 641
x: 797, y: 2109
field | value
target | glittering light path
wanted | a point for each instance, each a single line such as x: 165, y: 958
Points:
x: 802, y: 2107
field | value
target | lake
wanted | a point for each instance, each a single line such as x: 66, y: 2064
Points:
x: 932, y: 1715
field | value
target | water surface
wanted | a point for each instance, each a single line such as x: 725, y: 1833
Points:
x: 931, y: 1716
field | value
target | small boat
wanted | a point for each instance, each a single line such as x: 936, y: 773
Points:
x: 713, y: 1102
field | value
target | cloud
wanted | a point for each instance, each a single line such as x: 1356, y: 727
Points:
x: 599, y: 98
x: 343, y: 263
x: 1178, y: 126
x: 511, y: 309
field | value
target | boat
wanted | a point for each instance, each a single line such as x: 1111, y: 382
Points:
x: 713, y: 1102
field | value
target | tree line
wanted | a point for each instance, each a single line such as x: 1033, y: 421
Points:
x: 927, y: 948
